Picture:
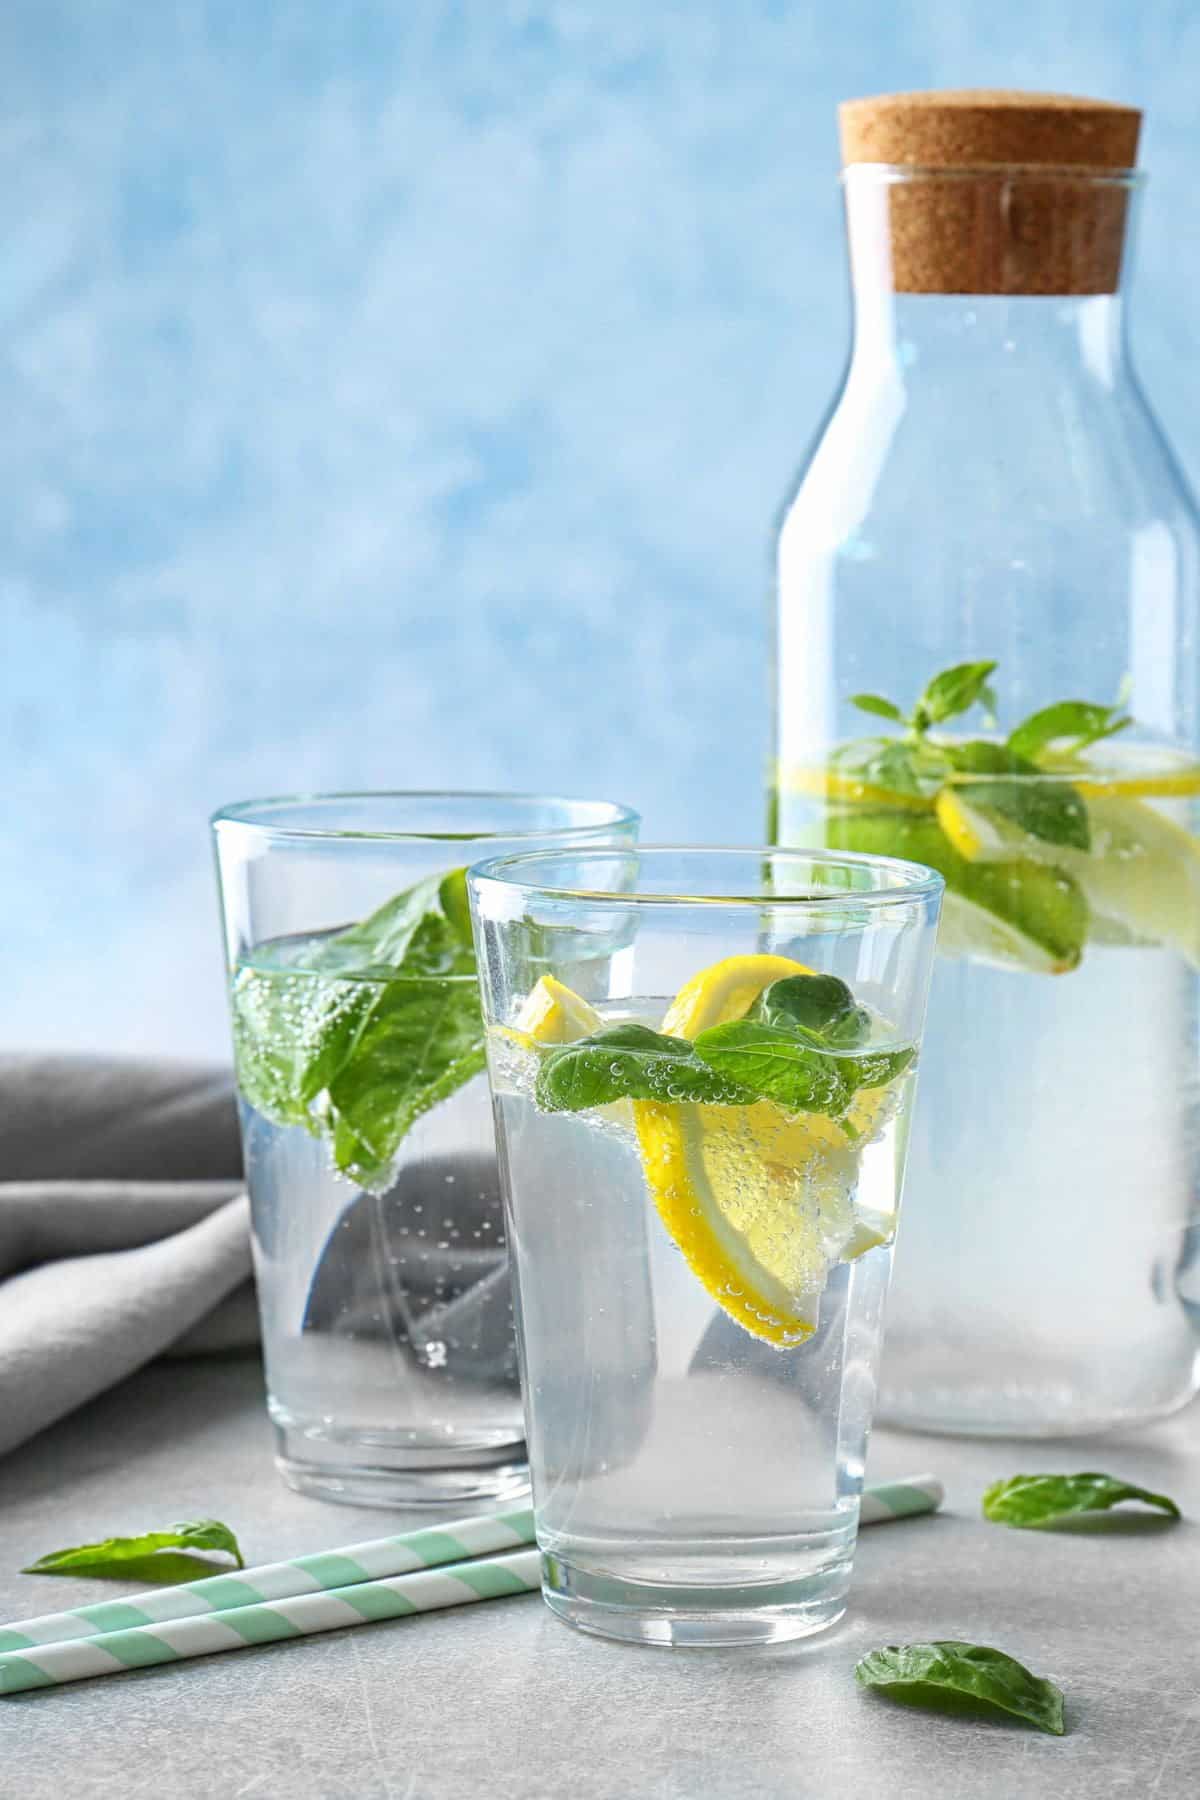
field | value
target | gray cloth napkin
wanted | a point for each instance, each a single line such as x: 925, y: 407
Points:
x: 124, y: 1231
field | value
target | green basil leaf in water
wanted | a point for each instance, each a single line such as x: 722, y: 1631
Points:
x: 948, y: 1675
x: 776, y: 1063
x: 1031, y: 1501
x: 378, y: 944
x: 421, y: 1041
x: 630, y: 1062
x: 358, y: 1036
x: 140, y: 1557
x: 881, y: 708
x: 1074, y: 723
x: 953, y: 691
x: 878, y: 1067
x: 452, y: 897
x: 821, y: 1004
x: 270, y: 1051
x: 1050, y: 810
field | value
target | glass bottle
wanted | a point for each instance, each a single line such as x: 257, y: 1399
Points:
x: 991, y: 496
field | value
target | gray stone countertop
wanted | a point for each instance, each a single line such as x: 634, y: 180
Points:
x: 501, y: 1701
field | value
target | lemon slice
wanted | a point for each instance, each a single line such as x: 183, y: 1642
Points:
x: 978, y: 835
x: 1141, y: 877
x: 1135, y: 771
x: 834, y: 784
x: 725, y: 990
x: 759, y: 1203
x: 553, y: 1013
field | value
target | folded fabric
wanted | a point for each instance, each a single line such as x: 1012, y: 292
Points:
x: 124, y: 1232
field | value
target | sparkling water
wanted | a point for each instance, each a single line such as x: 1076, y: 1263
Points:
x: 670, y: 1449
x: 387, y: 1322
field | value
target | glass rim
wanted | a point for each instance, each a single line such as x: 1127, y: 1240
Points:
x: 242, y: 814
x: 885, y: 174
x: 909, y: 880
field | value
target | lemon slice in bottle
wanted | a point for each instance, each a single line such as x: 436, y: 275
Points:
x: 1141, y: 877
x: 844, y: 787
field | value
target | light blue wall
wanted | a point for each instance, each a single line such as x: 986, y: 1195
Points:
x: 399, y: 392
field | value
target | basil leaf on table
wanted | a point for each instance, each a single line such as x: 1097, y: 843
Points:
x: 128, y: 1558
x: 630, y: 1062
x: 1031, y: 1501
x: 950, y: 1676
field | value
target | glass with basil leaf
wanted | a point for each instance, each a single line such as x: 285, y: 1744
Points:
x: 1048, y: 1279
x: 369, y: 1149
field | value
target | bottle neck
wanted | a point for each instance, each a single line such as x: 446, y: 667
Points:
x: 1036, y: 337
x: 999, y: 267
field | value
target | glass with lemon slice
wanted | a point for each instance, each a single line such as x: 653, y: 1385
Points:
x: 702, y: 1065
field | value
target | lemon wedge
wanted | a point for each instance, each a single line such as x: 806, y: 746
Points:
x: 759, y: 1203
x: 725, y: 990
x: 553, y: 1013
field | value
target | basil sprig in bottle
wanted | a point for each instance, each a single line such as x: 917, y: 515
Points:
x: 987, y: 662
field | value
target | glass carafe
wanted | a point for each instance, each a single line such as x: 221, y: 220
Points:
x: 992, y: 502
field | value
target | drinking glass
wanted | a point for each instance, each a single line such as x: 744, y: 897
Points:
x: 702, y: 1066
x: 379, y: 1244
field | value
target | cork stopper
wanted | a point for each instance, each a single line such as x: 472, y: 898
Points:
x: 1009, y: 193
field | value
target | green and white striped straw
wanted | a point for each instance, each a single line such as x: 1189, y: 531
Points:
x: 323, y: 1573
x: 888, y: 1500
x: 387, y: 1578
x: 457, y: 1584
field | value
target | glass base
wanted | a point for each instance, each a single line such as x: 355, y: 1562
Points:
x: 373, y: 1472
x: 678, y: 1617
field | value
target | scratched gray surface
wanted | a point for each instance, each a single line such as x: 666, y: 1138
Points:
x: 501, y: 1700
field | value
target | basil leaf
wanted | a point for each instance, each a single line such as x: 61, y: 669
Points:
x: 421, y: 1041
x: 1050, y: 810
x: 630, y: 1062
x: 954, y: 691
x: 125, y: 1557
x: 378, y: 944
x: 950, y: 1676
x: 376, y: 1025
x: 892, y: 766
x: 452, y: 898
x: 1029, y: 1501
x: 269, y: 1050
x: 1079, y: 721
x: 775, y: 1063
x: 875, y: 703
x: 879, y: 1067
x: 821, y: 1004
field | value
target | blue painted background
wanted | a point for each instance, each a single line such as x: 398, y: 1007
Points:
x: 399, y: 392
